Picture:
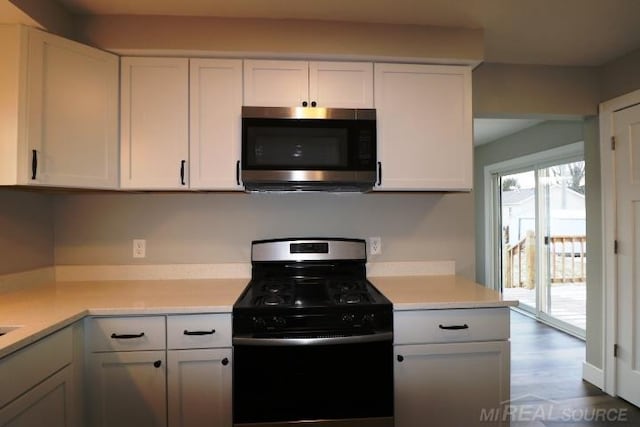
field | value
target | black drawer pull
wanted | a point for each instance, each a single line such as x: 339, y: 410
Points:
x: 225, y: 361
x: 400, y: 358
x: 454, y: 327
x: 211, y: 332
x: 182, y: 162
x: 238, y: 172
x: 126, y: 336
x: 157, y: 363
x: 34, y: 164
x: 379, y: 174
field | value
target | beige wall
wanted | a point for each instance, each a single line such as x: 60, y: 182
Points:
x: 48, y: 14
x: 620, y: 76
x: 26, y: 231
x: 281, y: 37
x: 218, y: 227
x: 503, y: 90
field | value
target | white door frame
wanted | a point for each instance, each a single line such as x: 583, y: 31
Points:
x: 609, y: 267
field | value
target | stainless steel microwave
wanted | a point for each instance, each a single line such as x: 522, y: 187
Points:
x: 308, y: 149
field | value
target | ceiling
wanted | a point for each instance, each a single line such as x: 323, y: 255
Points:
x: 550, y: 32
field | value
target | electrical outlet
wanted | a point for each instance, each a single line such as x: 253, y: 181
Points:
x: 375, y: 246
x: 139, y: 248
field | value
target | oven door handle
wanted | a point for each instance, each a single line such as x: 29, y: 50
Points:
x: 357, y: 339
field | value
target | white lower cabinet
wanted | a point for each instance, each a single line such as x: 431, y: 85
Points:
x: 199, y: 387
x: 453, y: 378
x: 128, y: 389
x: 49, y: 403
x: 156, y: 371
x: 39, y: 384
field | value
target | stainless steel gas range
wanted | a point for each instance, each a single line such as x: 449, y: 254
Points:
x: 312, y: 338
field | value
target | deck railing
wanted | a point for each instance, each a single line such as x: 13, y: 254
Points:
x: 568, y: 260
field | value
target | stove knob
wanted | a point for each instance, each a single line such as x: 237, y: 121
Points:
x: 368, y: 319
x: 279, y: 321
x: 259, y: 323
x: 348, y: 318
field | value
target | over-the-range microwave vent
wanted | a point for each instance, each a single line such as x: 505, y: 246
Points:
x: 309, y: 187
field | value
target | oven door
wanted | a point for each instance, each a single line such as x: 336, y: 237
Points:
x: 330, y: 384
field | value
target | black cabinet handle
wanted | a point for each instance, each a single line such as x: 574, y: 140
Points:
x: 314, y: 103
x: 454, y: 327
x: 211, y: 332
x: 238, y: 172
x: 400, y: 358
x: 34, y: 164
x: 225, y: 361
x: 157, y: 363
x: 126, y: 336
x: 305, y: 103
x: 379, y: 173
x: 182, y: 162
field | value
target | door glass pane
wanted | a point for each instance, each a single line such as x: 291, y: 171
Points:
x: 518, y: 225
x: 565, y: 243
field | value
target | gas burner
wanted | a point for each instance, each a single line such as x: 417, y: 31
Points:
x: 271, y: 300
x: 347, y: 285
x: 352, y: 298
x: 274, y: 287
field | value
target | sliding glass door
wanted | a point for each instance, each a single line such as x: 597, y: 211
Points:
x: 543, y: 242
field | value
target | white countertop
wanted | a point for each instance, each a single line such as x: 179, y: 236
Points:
x: 437, y: 292
x: 41, y: 310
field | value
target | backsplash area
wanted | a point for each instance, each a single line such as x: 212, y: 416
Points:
x: 26, y: 231
x: 206, y: 228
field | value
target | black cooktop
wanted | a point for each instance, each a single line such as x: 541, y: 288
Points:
x: 310, y: 286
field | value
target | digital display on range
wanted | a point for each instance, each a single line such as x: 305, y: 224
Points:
x: 309, y: 248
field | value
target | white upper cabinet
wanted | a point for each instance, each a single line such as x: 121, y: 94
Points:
x: 60, y: 110
x: 215, y: 122
x: 341, y: 84
x: 154, y: 123
x: 181, y: 123
x: 425, y: 140
x: 308, y: 84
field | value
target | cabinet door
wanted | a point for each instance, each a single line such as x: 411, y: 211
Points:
x: 215, y: 116
x: 72, y: 114
x: 47, y: 404
x: 276, y: 83
x: 154, y: 123
x: 425, y: 137
x: 127, y: 389
x: 461, y: 384
x: 199, y: 388
x: 341, y: 84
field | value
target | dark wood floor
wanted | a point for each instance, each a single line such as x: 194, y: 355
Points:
x: 546, y: 381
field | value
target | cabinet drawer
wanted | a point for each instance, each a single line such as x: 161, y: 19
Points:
x: 441, y: 326
x: 126, y: 333
x: 26, y: 368
x: 199, y: 331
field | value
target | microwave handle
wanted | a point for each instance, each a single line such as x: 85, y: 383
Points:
x: 238, y: 172
x: 379, y: 174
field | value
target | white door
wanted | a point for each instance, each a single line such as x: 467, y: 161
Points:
x: 424, y: 127
x: 199, y: 388
x: 215, y: 123
x: 341, y: 84
x: 627, y: 159
x: 154, y: 123
x: 128, y: 389
x: 72, y: 114
x: 276, y: 83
